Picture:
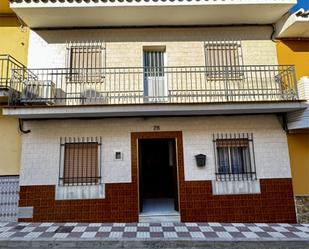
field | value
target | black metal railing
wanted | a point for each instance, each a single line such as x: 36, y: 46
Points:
x: 80, y: 161
x: 7, y: 65
x: 139, y: 85
x: 234, y: 157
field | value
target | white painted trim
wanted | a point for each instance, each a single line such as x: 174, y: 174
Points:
x: 83, y: 4
x: 236, y: 187
x: 80, y: 192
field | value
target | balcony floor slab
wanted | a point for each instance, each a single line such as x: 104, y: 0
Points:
x: 151, y: 110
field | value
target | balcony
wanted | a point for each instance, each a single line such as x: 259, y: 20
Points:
x: 7, y: 64
x: 102, y: 13
x: 149, y: 91
x: 138, y: 85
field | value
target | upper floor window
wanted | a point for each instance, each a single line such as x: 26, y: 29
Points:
x: 80, y: 161
x: 223, y: 58
x: 86, y: 61
x: 234, y: 156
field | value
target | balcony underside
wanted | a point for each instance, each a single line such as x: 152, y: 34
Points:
x: 150, y: 13
x: 151, y: 110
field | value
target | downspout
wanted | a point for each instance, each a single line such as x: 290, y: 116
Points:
x: 284, y: 122
x: 272, y: 36
x: 21, y: 127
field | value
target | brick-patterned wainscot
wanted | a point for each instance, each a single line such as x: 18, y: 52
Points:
x: 197, y: 203
x: 119, y: 205
x: 274, y: 204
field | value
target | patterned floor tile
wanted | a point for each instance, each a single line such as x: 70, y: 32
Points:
x: 75, y: 235
x: 6, y: 234
x: 60, y: 235
x: 143, y: 235
x: 157, y: 235
x: 33, y: 235
x: 166, y: 230
x: 210, y: 235
x: 169, y: 229
x: 197, y: 234
x: 102, y: 235
x: 250, y: 235
x: 184, y: 235
x: 79, y: 229
x: 105, y: 229
x: 181, y: 229
x: 302, y: 235
x: 130, y: 229
x: 280, y: 229
x: 224, y: 235
x: 255, y: 229
x: 231, y: 229
x: 115, y: 234
x: 52, y: 229
x: 276, y: 235
x: 170, y: 234
x: 88, y: 235
x: 206, y: 229
x: 156, y: 229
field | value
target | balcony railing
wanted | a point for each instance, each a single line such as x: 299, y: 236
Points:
x: 7, y: 64
x: 138, y: 85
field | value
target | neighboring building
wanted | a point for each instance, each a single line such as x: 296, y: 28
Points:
x: 168, y: 111
x: 13, y: 53
x: 293, y: 48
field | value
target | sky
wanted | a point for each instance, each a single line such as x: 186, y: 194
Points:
x: 301, y: 4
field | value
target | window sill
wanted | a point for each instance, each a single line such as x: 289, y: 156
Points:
x: 80, y: 192
x: 236, y: 187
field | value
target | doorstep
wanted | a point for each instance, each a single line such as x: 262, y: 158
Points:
x: 153, y: 235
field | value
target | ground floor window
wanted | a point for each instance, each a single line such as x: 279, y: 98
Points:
x: 234, y: 155
x: 80, y: 161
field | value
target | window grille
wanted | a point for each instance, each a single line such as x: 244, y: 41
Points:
x: 223, y: 59
x: 234, y: 155
x: 86, y: 61
x: 80, y: 161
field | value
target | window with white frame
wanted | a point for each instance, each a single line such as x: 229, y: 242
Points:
x: 80, y: 161
x: 234, y: 154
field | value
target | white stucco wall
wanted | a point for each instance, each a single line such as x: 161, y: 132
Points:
x: 40, y: 148
x: 124, y: 47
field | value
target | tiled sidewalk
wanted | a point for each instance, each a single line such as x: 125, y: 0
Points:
x: 165, y: 231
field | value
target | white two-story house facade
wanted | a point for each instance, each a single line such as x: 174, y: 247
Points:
x: 154, y: 110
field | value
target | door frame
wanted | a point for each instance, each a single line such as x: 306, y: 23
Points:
x: 177, y: 135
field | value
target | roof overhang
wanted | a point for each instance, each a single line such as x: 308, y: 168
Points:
x: 148, y: 110
x: 100, y: 13
x: 294, y: 26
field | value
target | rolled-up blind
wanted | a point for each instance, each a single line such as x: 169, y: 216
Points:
x: 232, y: 142
x: 80, y: 163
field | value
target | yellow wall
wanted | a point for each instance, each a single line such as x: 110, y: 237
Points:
x: 299, y: 156
x: 13, y: 41
x: 5, y: 7
x: 294, y: 53
x: 10, y: 146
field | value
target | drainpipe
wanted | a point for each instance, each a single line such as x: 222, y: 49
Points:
x: 284, y: 122
x: 21, y: 127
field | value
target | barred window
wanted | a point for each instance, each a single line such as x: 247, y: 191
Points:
x: 223, y: 58
x: 86, y: 61
x: 80, y: 161
x: 234, y: 156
